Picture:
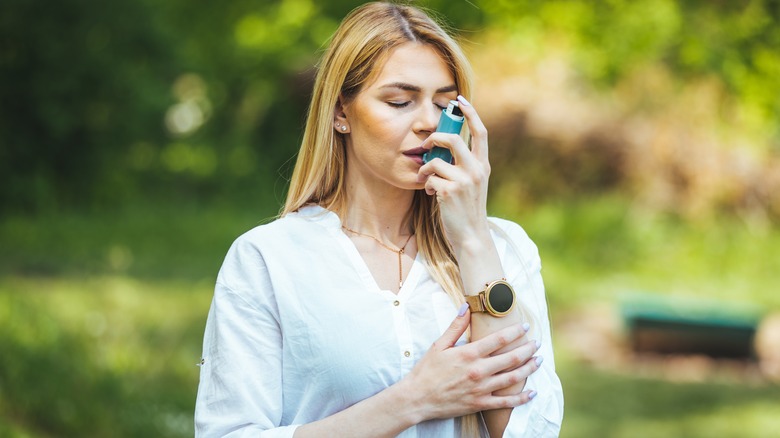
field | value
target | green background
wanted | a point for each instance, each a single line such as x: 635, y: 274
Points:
x: 638, y: 143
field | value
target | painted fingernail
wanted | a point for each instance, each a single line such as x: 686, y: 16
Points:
x: 538, y: 344
x: 463, y: 308
x: 531, y: 395
x: 526, y: 326
x: 539, y: 360
x: 463, y: 100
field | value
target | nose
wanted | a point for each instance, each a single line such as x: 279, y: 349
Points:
x: 427, y: 119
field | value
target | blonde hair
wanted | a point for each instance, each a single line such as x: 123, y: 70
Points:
x: 354, y: 57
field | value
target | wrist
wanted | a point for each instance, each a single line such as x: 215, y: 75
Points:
x: 474, y: 244
x: 479, y: 262
x: 409, y: 402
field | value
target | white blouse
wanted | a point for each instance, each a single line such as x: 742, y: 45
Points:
x: 299, y: 330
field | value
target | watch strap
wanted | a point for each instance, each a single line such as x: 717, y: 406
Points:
x: 476, y: 302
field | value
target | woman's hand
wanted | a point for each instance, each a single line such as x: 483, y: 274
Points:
x: 460, y: 188
x: 452, y: 381
x: 490, y: 377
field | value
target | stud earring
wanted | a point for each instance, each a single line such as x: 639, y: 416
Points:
x: 344, y: 128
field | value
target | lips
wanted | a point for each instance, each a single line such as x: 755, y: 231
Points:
x: 416, y: 154
x: 416, y: 151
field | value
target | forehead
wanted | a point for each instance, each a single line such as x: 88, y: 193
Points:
x: 416, y: 64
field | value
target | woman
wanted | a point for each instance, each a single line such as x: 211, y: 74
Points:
x: 346, y: 317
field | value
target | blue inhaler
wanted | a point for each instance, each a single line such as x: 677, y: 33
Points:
x: 451, y: 122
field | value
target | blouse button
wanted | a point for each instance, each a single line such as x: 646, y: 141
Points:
x: 396, y: 303
x: 407, y: 353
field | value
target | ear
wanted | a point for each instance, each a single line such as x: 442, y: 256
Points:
x: 340, y: 123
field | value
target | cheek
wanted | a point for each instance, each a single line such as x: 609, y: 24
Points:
x: 387, y: 132
x: 385, y: 127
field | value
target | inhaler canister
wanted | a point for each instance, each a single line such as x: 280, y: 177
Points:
x: 451, y: 122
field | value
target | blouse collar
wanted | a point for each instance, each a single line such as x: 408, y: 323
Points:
x: 318, y: 214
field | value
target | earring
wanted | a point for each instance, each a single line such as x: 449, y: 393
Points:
x: 343, y: 128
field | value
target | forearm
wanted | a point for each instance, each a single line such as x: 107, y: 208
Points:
x: 386, y: 414
x: 479, y: 265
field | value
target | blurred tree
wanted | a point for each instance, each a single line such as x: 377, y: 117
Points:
x: 79, y: 79
x: 675, y: 105
x: 100, y: 103
x: 735, y: 42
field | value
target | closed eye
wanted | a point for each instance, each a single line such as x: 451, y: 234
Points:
x: 406, y: 103
x: 399, y: 104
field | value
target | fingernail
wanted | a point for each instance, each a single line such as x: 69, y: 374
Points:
x: 463, y: 308
x: 538, y: 344
x: 463, y: 100
x: 539, y: 360
x: 526, y: 326
x: 531, y: 395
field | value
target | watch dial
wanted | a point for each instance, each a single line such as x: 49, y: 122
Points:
x: 501, y: 297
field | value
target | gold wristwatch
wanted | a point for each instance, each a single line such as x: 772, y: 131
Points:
x: 498, y: 299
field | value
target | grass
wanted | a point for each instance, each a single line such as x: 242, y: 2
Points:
x: 620, y: 405
x: 102, y: 315
x: 99, y: 356
x: 161, y: 240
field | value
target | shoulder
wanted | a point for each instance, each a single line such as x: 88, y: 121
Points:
x: 280, y: 246
x: 289, y: 230
x: 515, y: 247
x: 508, y: 227
x: 515, y: 236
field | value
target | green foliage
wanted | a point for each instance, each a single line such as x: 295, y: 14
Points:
x: 735, y: 42
x: 106, y: 102
x: 78, y: 80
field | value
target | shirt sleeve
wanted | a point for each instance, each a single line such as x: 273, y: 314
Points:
x: 240, y: 390
x: 542, y: 416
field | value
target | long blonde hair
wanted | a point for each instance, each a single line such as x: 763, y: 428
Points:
x: 361, y: 44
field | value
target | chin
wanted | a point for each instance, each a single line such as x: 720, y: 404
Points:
x: 412, y: 184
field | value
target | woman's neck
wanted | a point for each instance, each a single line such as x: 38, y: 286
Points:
x: 384, y: 214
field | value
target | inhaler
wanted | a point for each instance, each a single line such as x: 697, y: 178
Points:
x: 451, y: 122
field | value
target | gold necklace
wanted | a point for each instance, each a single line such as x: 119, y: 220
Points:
x: 397, y: 251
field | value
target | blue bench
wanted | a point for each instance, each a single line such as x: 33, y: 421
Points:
x: 677, y: 325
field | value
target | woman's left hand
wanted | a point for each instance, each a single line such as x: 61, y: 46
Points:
x: 460, y: 188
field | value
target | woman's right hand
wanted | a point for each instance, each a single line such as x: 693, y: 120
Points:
x: 452, y: 381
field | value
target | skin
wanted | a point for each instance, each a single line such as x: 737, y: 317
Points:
x: 397, y: 113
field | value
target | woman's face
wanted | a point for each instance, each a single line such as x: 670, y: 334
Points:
x: 391, y: 116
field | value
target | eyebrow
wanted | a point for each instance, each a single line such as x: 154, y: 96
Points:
x: 415, y: 88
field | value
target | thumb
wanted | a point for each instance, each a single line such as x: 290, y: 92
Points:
x: 455, y: 330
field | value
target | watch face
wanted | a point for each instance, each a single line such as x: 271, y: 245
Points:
x: 501, y: 297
